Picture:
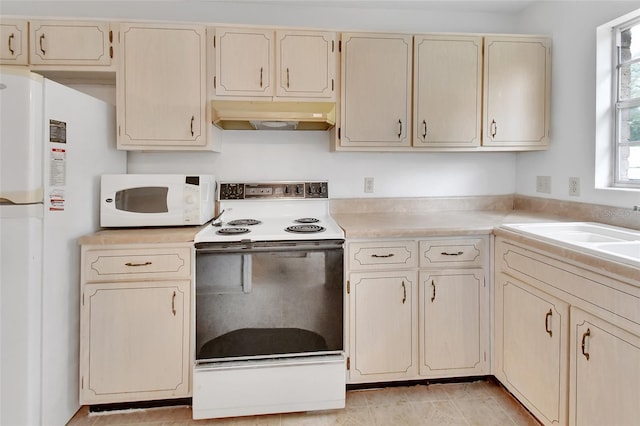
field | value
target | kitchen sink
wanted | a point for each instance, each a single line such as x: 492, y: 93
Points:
x: 611, y: 242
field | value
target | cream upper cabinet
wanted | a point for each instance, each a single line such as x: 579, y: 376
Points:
x: 161, y: 87
x: 517, y: 91
x: 80, y: 43
x: 532, y: 347
x: 305, y: 64
x: 13, y: 44
x: 447, y: 91
x: 452, y: 313
x: 605, y: 372
x: 376, y: 90
x: 244, y: 62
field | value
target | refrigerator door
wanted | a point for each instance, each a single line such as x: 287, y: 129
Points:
x: 20, y: 313
x: 21, y: 111
x: 79, y: 146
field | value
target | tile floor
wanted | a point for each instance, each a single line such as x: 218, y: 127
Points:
x: 480, y: 403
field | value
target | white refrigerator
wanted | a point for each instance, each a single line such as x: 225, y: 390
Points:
x: 55, y: 143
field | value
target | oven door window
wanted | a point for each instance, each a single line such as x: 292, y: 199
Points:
x: 265, y: 304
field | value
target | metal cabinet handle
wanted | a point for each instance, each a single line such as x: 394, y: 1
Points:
x: 444, y: 253
x: 424, y: 134
x: 584, y: 341
x: 11, y: 37
x: 433, y: 289
x: 261, y: 69
x: 192, y: 120
x: 287, y: 78
x: 138, y: 264
x: 494, y: 128
x: 173, y: 304
x: 41, y: 44
x: 400, y: 131
x: 382, y: 255
x: 546, y: 323
x: 404, y: 293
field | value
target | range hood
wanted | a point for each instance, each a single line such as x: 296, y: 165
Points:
x: 272, y: 115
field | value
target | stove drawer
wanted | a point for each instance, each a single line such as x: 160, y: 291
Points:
x: 124, y: 264
x: 452, y: 253
x: 382, y: 255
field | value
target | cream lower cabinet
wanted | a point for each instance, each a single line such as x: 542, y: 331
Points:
x: 135, y: 323
x: 161, y: 87
x: 567, y: 337
x: 531, y: 346
x: 417, y: 309
x: 605, y: 372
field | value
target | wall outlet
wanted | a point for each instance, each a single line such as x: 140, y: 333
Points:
x: 543, y: 184
x: 368, y: 184
x: 574, y: 186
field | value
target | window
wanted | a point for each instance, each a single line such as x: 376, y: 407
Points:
x: 626, y: 95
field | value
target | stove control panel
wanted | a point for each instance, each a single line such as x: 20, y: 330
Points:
x: 278, y: 190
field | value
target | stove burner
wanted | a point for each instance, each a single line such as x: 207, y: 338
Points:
x: 232, y: 231
x: 244, y: 222
x: 304, y: 228
x: 307, y: 220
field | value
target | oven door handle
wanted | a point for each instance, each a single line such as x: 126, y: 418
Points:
x: 268, y: 246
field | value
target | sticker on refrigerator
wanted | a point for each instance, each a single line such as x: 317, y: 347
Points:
x: 57, y: 131
x: 56, y: 200
x: 58, y: 167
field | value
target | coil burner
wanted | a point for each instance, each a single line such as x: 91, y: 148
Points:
x: 307, y: 220
x: 232, y: 231
x: 244, y: 222
x: 304, y: 229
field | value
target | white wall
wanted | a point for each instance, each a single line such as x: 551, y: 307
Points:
x: 573, y: 27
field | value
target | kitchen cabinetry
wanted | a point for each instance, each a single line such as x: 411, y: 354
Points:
x: 447, y: 91
x: 135, y: 322
x: 70, y: 43
x: 567, y: 336
x: 410, y: 318
x: 605, y: 372
x: 532, y: 346
x: 256, y: 63
x: 517, y: 91
x: 376, y: 90
x: 454, y: 332
x: 161, y: 88
x: 14, y: 41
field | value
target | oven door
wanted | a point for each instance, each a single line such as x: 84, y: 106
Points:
x: 269, y: 327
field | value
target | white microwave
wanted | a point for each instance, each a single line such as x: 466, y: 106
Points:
x: 137, y: 200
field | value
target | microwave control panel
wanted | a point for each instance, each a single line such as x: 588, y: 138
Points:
x: 276, y: 190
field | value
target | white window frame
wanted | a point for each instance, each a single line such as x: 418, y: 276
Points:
x: 607, y: 105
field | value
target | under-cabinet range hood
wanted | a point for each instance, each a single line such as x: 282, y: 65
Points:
x: 267, y: 115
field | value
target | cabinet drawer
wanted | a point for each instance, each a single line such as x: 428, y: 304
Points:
x: 452, y: 253
x: 382, y: 255
x: 129, y: 264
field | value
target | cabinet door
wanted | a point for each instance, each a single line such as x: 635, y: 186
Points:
x: 70, y: 43
x: 161, y: 87
x: 447, y: 91
x: 306, y: 64
x: 13, y: 42
x: 376, y: 90
x: 244, y: 62
x: 531, y: 347
x: 135, y: 341
x: 605, y: 372
x: 453, y: 323
x: 517, y: 85
x: 383, y: 325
